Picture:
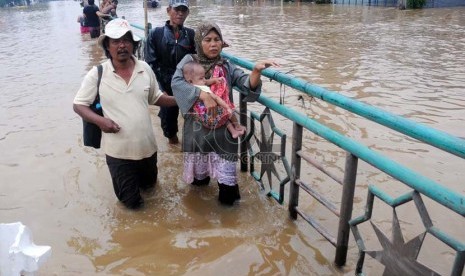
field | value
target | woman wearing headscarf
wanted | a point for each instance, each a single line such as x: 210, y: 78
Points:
x: 212, y: 153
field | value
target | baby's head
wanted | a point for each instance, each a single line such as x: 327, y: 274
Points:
x: 194, y: 73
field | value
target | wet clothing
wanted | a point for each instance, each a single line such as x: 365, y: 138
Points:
x: 163, y: 52
x: 92, y: 18
x: 130, y: 177
x: 217, y: 147
x: 198, y: 166
x: 210, y: 152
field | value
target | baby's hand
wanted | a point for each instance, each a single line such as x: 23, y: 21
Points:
x: 214, y: 81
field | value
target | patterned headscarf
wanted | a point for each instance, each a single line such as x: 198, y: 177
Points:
x: 201, y: 32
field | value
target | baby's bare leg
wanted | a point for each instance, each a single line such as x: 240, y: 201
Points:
x: 239, y: 129
x: 236, y: 124
x: 233, y: 130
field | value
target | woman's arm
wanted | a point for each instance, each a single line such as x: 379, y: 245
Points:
x: 249, y: 83
x: 185, y: 93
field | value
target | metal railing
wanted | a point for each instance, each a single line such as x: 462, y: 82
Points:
x: 421, y: 185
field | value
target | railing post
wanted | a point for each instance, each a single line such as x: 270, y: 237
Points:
x: 347, y: 201
x: 458, y: 264
x: 295, y: 165
x: 243, y: 143
x: 146, y: 21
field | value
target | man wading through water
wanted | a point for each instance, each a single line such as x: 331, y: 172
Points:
x: 127, y: 87
x: 166, y: 46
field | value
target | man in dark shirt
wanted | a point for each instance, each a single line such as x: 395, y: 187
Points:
x: 166, y: 46
x: 92, y: 19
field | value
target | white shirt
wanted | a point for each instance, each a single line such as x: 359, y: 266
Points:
x: 127, y: 105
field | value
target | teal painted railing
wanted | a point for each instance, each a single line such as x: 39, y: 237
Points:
x: 439, y: 139
x: 421, y: 185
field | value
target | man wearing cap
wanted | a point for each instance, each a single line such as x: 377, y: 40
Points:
x: 126, y: 89
x: 166, y: 46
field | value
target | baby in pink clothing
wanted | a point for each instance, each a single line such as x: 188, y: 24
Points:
x: 194, y: 73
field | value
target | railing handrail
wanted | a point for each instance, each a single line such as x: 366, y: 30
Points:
x: 355, y: 150
x: 424, y: 185
x: 441, y: 194
x: 436, y: 138
x: 137, y: 26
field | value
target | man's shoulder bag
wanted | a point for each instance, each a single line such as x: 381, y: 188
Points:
x: 91, y: 132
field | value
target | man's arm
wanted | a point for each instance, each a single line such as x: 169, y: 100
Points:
x: 103, y: 15
x: 105, y: 124
x: 166, y: 100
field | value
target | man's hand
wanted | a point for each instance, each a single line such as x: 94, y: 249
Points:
x: 108, y: 125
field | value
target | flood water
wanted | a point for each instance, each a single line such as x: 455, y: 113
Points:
x: 410, y: 63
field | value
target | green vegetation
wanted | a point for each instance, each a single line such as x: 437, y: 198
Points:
x: 415, y: 4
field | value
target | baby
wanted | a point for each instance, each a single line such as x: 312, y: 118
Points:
x: 194, y: 73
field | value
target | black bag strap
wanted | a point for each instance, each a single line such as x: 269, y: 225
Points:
x: 99, y: 71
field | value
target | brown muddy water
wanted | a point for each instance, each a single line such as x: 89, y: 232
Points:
x: 410, y: 63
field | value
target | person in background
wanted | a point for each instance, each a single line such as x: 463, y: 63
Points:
x: 103, y: 4
x: 83, y: 3
x: 194, y: 73
x: 107, y: 12
x: 108, y: 8
x: 92, y: 19
x: 83, y: 22
x: 128, y: 86
x: 212, y: 153
x: 166, y: 46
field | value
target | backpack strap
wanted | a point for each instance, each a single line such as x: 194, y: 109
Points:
x: 99, y: 78
x: 99, y: 70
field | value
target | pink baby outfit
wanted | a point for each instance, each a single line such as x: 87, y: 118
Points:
x: 221, y: 90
